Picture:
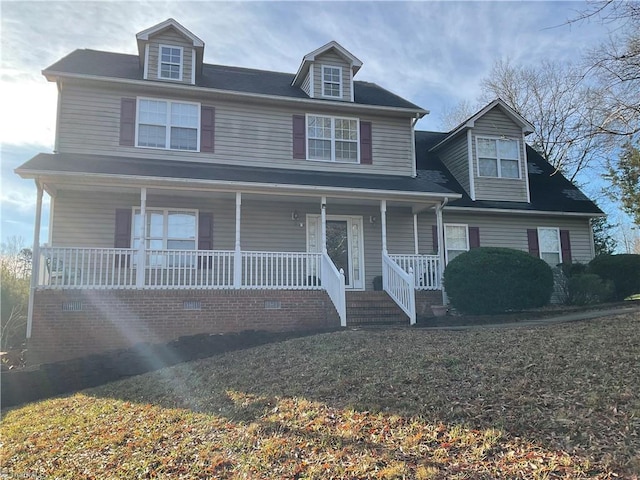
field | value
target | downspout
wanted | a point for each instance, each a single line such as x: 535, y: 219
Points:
x: 414, y: 168
x: 441, y: 259
x: 35, y: 258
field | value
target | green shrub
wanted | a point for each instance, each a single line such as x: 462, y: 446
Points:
x: 493, y: 280
x: 587, y: 289
x: 622, y: 270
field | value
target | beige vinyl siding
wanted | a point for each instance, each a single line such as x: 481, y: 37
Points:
x: 170, y: 38
x: 332, y: 59
x: 87, y: 219
x: 455, y: 157
x: 247, y: 134
x: 496, y: 124
x: 510, y: 231
x: 306, y: 83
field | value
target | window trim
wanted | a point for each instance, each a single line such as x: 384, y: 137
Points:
x: 446, y: 248
x: 332, y: 139
x: 168, y: 125
x: 180, y: 65
x: 498, y: 159
x: 326, y: 67
x: 559, y: 252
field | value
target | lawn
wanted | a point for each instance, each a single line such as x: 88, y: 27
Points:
x: 560, y: 401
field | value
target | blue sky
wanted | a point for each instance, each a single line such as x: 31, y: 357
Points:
x: 432, y: 53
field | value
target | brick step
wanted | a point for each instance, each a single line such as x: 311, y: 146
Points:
x: 390, y: 320
x: 373, y: 308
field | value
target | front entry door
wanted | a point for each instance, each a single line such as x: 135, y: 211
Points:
x: 344, y: 245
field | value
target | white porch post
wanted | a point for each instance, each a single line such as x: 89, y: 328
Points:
x: 237, y: 259
x: 35, y: 258
x: 141, y: 269
x: 415, y: 233
x: 323, y: 219
x: 441, y: 247
x: 383, y: 224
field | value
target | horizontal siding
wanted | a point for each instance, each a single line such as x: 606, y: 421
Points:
x: 510, y: 231
x: 496, y: 124
x: 246, y: 134
x: 87, y: 219
x: 306, y: 84
x: 170, y: 38
x: 330, y: 58
x: 455, y: 157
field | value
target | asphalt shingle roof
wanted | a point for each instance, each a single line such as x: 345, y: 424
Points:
x: 550, y: 191
x: 148, y: 167
x: 221, y: 77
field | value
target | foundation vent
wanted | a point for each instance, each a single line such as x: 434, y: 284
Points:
x: 72, y: 306
x: 192, y: 305
x: 272, y: 305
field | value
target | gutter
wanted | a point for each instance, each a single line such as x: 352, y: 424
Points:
x: 528, y: 212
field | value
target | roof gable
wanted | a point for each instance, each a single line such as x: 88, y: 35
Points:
x: 169, y: 23
x: 309, y: 58
x: 514, y: 116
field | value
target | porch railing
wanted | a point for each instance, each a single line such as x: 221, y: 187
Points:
x: 71, y: 267
x: 285, y: 270
x: 426, y: 269
x: 188, y: 269
x: 334, y: 283
x: 400, y: 286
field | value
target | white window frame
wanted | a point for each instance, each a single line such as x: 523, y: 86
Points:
x: 446, y: 248
x: 559, y: 252
x: 327, y: 67
x: 168, y: 124
x: 180, y: 64
x: 332, y: 139
x: 498, y: 158
x: 165, y: 231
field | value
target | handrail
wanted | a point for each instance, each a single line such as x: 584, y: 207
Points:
x: 400, y: 286
x: 426, y: 269
x: 333, y: 282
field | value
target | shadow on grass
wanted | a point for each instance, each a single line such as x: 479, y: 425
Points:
x: 564, y: 387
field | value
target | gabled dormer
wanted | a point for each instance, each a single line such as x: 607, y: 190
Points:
x: 487, y: 154
x: 171, y: 53
x: 327, y: 73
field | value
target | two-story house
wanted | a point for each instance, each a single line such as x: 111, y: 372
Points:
x: 188, y: 197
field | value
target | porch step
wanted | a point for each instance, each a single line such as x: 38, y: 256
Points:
x: 373, y: 308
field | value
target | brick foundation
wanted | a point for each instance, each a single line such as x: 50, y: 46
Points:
x: 424, y: 300
x: 112, y: 319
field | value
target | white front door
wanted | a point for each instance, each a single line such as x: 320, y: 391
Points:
x: 345, y: 245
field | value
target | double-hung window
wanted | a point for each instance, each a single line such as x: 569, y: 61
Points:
x: 169, y: 125
x: 456, y: 240
x: 498, y: 157
x: 166, y: 229
x: 331, y: 81
x: 170, y: 63
x: 549, y: 244
x: 332, y: 139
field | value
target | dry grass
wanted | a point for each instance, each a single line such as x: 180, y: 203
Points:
x: 560, y: 401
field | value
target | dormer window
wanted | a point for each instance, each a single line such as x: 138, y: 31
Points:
x: 498, y: 157
x: 331, y: 81
x: 170, y: 67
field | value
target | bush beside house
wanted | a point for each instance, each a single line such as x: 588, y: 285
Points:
x: 493, y: 280
x: 623, y: 271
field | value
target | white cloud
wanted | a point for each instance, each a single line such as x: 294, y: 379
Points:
x: 432, y: 53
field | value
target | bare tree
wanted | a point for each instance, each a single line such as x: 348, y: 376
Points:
x: 554, y: 98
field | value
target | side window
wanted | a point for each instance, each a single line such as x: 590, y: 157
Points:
x: 549, y: 244
x: 456, y: 240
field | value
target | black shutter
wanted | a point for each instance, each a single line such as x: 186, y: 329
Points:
x: 565, y: 246
x: 366, y: 153
x: 207, y: 129
x: 122, y: 237
x: 299, y: 137
x: 127, y: 121
x: 474, y: 237
x: 205, y: 237
x: 532, y: 239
